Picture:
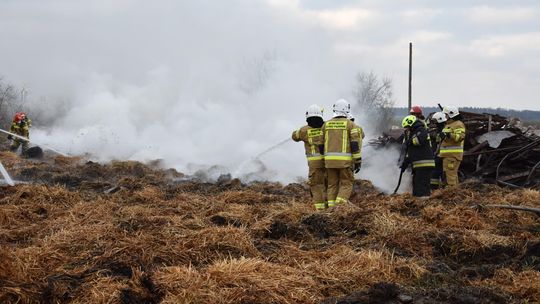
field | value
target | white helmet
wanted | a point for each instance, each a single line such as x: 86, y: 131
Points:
x: 314, y: 111
x: 342, y: 108
x: 451, y: 111
x: 439, y: 117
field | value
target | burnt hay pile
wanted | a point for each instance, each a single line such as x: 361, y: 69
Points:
x: 124, y: 232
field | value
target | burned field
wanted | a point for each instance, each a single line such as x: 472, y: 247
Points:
x: 125, y: 232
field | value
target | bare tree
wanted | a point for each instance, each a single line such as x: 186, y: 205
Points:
x: 374, y: 97
x: 12, y: 100
x: 8, y: 99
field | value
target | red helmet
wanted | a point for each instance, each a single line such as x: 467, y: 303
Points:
x: 19, y: 116
x: 416, y: 110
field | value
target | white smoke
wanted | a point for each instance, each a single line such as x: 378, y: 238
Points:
x: 198, y: 84
x: 381, y: 168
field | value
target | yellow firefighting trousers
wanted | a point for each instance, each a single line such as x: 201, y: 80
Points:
x: 450, y: 168
x: 17, y: 143
x: 317, y: 178
x: 340, y: 185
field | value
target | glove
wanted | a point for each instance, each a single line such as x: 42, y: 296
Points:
x: 10, y: 137
x: 441, y: 135
x: 357, y: 166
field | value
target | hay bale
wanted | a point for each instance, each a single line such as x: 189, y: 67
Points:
x: 257, y: 281
x: 524, y: 285
x: 101, y: 289
x: 10, y: 160
x: 236, y: 215
x: 67, y: 160
x: 184, y: 284
x: 217, y: 243
x: 247, y: 197
x: 130, y: 168
x: 456, y: 217
x: 344, y: 270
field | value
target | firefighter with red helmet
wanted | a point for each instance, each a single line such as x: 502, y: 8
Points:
x: 21, y: 126
x: 417, y: 112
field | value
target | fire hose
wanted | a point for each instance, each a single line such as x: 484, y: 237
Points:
x: 28, y: 140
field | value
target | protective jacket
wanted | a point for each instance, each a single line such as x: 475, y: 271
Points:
x: 453, y: 143
x: 21, y: 128
x: 419, y: 152
x: 436, y: 138
x: 342, y: 142
x: 313, y: 143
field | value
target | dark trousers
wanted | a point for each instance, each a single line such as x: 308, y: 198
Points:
x: 436, y: 175
x: 421, y: 181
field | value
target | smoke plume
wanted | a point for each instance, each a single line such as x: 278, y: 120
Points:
x: 201, y: 85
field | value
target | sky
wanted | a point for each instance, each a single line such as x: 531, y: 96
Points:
x: 209, y: 84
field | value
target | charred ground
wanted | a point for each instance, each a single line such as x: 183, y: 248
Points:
x: 125, y: 232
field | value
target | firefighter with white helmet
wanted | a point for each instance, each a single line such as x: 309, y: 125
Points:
x: 312, y: 136
x: 452, y: 145
x: 439, y: 119
x: 342, y: 153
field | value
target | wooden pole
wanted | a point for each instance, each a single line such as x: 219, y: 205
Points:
x: 410, y: 75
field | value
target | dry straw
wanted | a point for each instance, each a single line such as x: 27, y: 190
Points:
x: 159, y: 240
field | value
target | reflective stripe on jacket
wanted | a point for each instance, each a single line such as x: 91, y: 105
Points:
x: 22, y: 128
x: 453, y: 144
x: 423, y: 163
x: 312, y: 138
x: 342, y: 142
x: 419, y: 151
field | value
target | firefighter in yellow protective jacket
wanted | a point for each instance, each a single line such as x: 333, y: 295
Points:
x: 451, y: 150
x: 20, y: 126
x: 342, y: 153
x: 312, y: 136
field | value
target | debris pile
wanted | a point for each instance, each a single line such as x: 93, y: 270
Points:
x: 162, y: 239
x: 497, y: 150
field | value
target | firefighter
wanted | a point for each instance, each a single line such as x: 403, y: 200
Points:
x: 451, y: 151
x: 20, y: 126
x: 312, y: 136
x: 342, y: 153
x: 439, y: 118
x: 417, y: 112
x: 419, y: 155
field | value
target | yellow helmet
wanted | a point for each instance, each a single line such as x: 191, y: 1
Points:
x: 408, y: 121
